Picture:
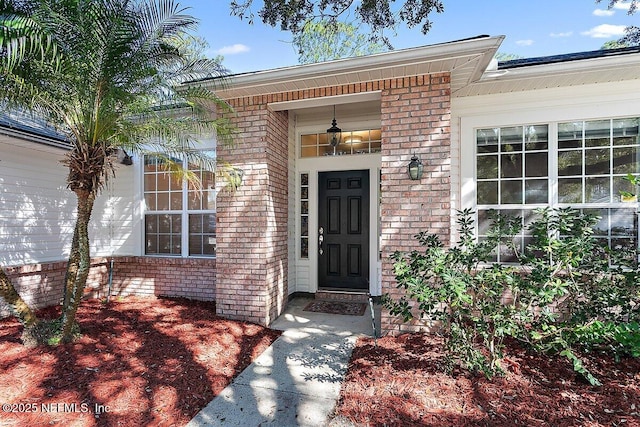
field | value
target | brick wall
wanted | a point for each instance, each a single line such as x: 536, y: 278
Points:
x: 252, y: 243
x: 252, y: 246
x: 40, y: 285
x: 415, y: 119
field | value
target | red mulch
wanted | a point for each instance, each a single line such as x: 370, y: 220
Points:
x: 148, y: 361
x: 401, y: 383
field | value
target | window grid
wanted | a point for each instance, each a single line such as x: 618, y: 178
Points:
x: 352, y: 142
x: 180, y: 217
x: 593, y: 156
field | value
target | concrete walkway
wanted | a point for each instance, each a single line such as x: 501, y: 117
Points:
x: 296, y: 381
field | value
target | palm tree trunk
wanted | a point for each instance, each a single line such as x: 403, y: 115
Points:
x: 85, y: 207
x: 18, y: 307
x: 72, y: 270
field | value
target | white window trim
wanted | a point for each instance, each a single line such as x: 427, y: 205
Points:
x: 469, y: 165
x: 184, y: 212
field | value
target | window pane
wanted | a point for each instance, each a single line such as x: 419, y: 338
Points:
x: 511, y: 139
x: 601, y: 228
x: 570, y: 135
x: 163, y: 202
x: 536, y: 191
x: 511, y: 165
x: 309, y: 140
x: 487, y: 192
x: 484, y: 222
x: 487, y: 167
x: 151, y: 222
x: 507, y: 254
x: 152, y: 245
x: 511, y: 192
x: 202, y: 234
x: 597, y: 133
x: 597, y: 162
x: 487, y: 140
x: 570, y: 190
x: 624, y: 222
x: 625, y: 131
x: 309, y: 152
x: 625, y: 160
x: 162, y: 234
x: 195, y: 224
x: 536, y: 137
x: 597, y: 190
x: 150, y: 201
x: 620, y: 184
x: 162, y: 181
x: 193, y: 200
x: 624, y: 245
x: 176, y: 201
x: 149, y: 181
x: 536, y: 164
x: 570, y: 163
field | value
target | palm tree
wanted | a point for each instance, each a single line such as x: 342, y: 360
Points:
x: 108, y: 74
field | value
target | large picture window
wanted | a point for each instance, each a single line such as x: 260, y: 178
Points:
x: 180, y: 217
x: 581, y: 164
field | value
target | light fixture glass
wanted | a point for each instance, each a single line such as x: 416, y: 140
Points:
x: 415, y: 168
x: 334, y: 133
x: 353, y: 139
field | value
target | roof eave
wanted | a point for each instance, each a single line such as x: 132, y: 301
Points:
x: 558, y: 68
x: 270, y: 81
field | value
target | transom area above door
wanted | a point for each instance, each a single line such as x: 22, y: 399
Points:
x: 352, y: 142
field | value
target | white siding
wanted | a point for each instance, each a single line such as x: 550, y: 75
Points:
x: 37, y: 211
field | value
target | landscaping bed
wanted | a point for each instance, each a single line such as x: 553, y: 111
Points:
x: 401, y: 383
x: 139, y: 362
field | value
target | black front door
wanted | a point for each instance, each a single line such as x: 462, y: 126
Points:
x: 343, y: 230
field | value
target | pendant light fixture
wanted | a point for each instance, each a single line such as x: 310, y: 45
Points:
x: 334, y: 133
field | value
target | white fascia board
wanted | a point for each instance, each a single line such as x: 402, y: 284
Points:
x: 559, y: 68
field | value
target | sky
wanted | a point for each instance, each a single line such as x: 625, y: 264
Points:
x: 532, y: 28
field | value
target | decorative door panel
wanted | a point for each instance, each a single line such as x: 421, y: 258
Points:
x: 343, y: 233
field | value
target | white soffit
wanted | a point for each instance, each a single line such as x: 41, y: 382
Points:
x: 465, y: 59
x: 556, y: 75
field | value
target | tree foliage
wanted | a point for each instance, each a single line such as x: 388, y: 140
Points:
x: 293, y: 15
x: 323, y: 41
x: 632, y: 33
x: 108, y: 74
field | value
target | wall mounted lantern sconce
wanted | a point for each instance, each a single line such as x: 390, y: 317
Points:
x: 126, y: 158
x: 334, y: 133
x: 415, y: 168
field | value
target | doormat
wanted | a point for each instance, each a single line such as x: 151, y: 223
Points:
x: 337, y: 307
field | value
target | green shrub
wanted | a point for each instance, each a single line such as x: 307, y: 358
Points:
x: 566, y: 292
x: 447, y: 287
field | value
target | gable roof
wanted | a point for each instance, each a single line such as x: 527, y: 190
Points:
x: 465, y: 59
